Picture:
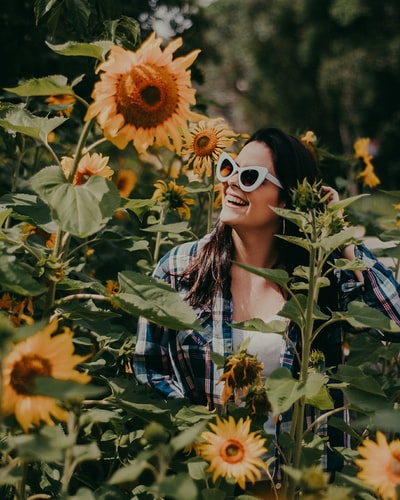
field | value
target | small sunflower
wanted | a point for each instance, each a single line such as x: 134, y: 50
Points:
x: 207, y: 141
x: 368, y: 176
x: 88, y: 165
x: 42, y: 354
x: 125, y: 181
x: 63, y: 103
x: 310, y: 141
x: 174, y: 196
x: 380, y: 465
x: 241, y: 372
x: 233, y: 451
x: 145, y: 96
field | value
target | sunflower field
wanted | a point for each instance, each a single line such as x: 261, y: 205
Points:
x: 93, y: 194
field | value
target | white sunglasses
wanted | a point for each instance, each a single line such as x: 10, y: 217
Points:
x: 250, y: 178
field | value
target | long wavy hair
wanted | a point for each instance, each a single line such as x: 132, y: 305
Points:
x: 210, y: 270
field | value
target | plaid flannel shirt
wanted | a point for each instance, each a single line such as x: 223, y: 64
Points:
x: 177, y: 364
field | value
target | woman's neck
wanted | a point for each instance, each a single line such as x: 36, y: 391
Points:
x: 255, y: 249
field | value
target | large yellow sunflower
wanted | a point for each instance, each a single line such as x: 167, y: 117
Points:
x: 174, y: 196
x: 42, y: 354
x: 145, y: 96
x: 233, y: 451
x: 380, y: 465
x: 95, y: 164
x: 207, y: 141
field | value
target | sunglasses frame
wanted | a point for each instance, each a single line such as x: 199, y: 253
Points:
x: 262, y: 174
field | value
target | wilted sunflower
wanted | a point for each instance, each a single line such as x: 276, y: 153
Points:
x: 42, y: 354
x: 368, y: 176
x: 63, y: 103
x: 145, y: 96
x: 233, y: 451
x: 241, y: 371
x: 88, y: 165
x: 174, y: 196
x: 380, y: 465
x: 30, y: 230
x: 207, y: 141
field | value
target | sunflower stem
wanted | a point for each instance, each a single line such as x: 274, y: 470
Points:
x: 157, y: 247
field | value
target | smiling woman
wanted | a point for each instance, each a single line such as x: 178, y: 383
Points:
x: 213, y: 276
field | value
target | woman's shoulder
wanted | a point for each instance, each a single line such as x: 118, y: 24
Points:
x: 180, y: 256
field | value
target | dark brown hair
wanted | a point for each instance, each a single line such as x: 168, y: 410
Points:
x: 210, y: 270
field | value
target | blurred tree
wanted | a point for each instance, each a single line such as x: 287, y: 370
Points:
x: 331, y: 66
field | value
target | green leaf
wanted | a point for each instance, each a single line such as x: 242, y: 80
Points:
x: 66, y: 389
x: 157, y: 301
x: 217, y: 359
x: 334, y: 206
x: 179, y: 487
x: 97, y: 49
x: 187, y: 437
x: 283, y: 390
x: 317, y: 393
x: 15, y: 277
x: 139, y: 207
x: 17, y: 119
x: 175, y: 228
x: 258, y: 325
x: 49, y: 85
x: 360, y: 315
x: 198, y: 187
x: 79, y: 210
x: 47, y: 445
x: 337, y: 240
x: 295, y: 308
x: 278, y: 276
x: 357, y: 378
x: 132, y: 471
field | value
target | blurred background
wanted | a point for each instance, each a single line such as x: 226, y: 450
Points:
x: 330, y: 66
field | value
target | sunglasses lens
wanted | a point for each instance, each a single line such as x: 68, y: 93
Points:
x: 226, y: 169
x: 249, y: 177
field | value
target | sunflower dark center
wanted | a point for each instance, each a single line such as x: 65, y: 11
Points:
x: 25, y: 372
x: 395, y: 465
x: 205, y: 143
x: 233, y: 452
x: 147, y: 96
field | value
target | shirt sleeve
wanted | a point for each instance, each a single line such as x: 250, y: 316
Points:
x: 151, y: 361
x: 380, y: 288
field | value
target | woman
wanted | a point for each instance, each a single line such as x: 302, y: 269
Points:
x: 178, y: 364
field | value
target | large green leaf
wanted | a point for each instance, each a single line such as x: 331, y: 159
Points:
x: 48, y: 85
x: 17, y: 119
x: 358, y: 379
x: 80, y: 210
x: 96, y: 49
x: 360, y: 315
x: 283, y: 390
x: 142, y: 295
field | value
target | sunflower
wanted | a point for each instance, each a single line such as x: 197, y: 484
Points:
x: 174, y: 196
x: 42, y: 354
x: 64, y: 103
x: 145, y: 96
x: 207, y: 141
x: 368, y: 176
x: 241, y: 372
x: 125, y: 181
x: 233, y: 451
x: 88, y: 165
x: 380, y: 465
